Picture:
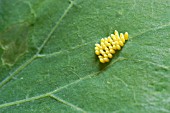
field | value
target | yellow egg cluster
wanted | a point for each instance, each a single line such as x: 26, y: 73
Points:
x: 108, y: 45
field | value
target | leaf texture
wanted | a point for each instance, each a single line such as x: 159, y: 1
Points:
x: 56, y: 70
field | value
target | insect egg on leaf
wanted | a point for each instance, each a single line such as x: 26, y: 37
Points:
x: 108, y: 45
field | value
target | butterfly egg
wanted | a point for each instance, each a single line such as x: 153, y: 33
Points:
x: 112, y: 51
x: 107, y: 51
x: 116, y: 33
x: 113, y: 43
x: 113, y: 37
x: 100, y: 56
x: 97, y: 48
x: 103, y: 45
x: 117, y: 37
x: 102, y: 40
x: 122, y: 37
x: 106, y: 41
x: 114, y: 47
x: 116, y: 43
x: 109, y: 39
x: 106, y: 59
x: 110, y: 47
x: 102, y: 52
x: 100, y: 47
x: 102, y: 60
x: 121, y: 34
x: 97, y: 45
x: 108, y: 44
x: 105, y: 56
x: 110, y: 55
x: 118, y: 47
x: 126, y: 35
x: 97, y: 52
x: 121, y: 43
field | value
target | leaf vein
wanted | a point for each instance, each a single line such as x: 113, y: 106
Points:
x: 67, y: 50
x: 7, y: 79
x: 58, y: 89
x: 67, y: 103
x: 20, y: 68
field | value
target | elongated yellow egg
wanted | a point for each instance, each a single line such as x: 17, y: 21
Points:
x: 126, y: 35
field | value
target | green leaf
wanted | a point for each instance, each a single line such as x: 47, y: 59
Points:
x: 48, y: 63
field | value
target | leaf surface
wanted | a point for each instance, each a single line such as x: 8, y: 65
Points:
x: 55, y: 68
